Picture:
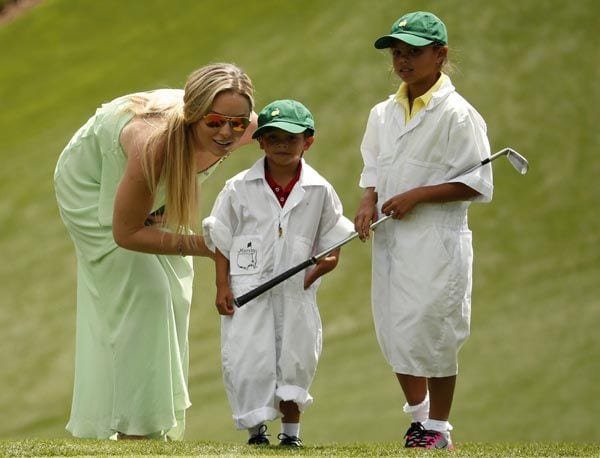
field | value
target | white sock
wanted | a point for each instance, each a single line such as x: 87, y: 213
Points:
x: 419, y: 412
x: 254, y: 430
x: 291, y: 429
x: 443, y: 427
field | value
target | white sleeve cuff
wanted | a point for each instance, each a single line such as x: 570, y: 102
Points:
x: 342, y: 229
x: 216, y: 235
x: 479, y: 184
x: 368, y: 178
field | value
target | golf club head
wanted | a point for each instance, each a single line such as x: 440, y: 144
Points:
x: 517, y: 161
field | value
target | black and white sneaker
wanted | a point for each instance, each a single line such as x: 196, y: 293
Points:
x: 289, y: 441
x: 260, y: 438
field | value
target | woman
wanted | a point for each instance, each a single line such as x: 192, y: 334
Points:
x: 138, y: 154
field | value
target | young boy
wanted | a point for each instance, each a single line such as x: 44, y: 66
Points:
x: 267, y: 219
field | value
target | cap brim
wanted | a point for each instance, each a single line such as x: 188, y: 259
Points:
x: 287, y: 126
x: 388, y: 40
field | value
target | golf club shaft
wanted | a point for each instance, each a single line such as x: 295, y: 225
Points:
x: 244, y: 298
x: 241, y: 300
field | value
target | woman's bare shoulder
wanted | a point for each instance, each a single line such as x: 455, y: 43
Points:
x: 135, y: 134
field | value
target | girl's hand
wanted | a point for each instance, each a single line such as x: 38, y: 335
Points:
x: 224, y: 301
x: 366, y: 213
x: 401, y: 204
x: 325, y: 265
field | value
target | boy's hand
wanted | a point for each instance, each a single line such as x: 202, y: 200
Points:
x: 327, y: 264
x: 366, y: 213
x: 224, y: 300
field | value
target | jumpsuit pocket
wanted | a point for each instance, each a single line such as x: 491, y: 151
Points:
x: 453, y: 247
x: 446, y: 242
x: 413, y: 173
x: 246, y: 256
x: 426, y: 269
x: 302, y: 251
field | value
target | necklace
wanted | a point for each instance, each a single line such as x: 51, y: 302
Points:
x: 204, y: 174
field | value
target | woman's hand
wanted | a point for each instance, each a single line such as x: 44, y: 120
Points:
x: 325, y: 265
x: 366, y: 213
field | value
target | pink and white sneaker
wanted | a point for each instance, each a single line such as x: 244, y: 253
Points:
x: 419, y: 437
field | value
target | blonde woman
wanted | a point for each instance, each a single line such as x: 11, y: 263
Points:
x: 140, y: 154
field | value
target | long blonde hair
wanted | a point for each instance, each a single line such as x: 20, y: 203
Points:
x: 167, y: 158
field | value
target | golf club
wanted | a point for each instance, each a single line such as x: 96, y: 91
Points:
x: 515, y: 159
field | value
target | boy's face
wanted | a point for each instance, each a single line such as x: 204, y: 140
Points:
x: 283, y: 148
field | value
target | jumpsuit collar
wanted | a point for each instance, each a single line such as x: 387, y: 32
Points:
x: 308, y: 177
x: 437, y: 97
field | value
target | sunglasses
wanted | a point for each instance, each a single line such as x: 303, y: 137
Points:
x: 216, y: 121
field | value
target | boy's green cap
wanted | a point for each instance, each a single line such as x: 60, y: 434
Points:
x: 417, y: 29
x: 288, y: 115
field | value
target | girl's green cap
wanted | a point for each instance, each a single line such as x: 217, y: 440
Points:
x: 417, y: 29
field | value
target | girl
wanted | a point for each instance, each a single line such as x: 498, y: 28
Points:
x: 421, y: 291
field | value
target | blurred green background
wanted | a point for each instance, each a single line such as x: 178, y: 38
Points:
x: 530, y: 369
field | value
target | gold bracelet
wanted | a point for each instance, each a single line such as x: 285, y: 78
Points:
x: 180, y: 246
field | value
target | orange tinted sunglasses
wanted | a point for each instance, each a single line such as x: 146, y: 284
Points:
x: 216, y: 121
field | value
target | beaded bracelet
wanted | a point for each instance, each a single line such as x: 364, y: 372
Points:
x: 180, y: 246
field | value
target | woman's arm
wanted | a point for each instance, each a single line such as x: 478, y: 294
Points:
x: 133, y: 203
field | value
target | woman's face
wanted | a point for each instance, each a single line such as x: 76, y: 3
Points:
x: 223, y: 125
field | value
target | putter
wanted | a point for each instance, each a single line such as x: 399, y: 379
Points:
x: 515, y: 159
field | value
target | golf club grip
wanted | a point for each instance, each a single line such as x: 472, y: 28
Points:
x: 241, y: 300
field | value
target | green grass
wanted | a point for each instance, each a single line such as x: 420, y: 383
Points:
x: 37, y: 447
x: 529, y: 372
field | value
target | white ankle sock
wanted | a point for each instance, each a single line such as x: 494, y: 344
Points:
x: 291, y: 429
x: 443, y: 427
x: 437, y: 425
x: 419, y: 412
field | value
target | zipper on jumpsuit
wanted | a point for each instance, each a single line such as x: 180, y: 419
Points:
x: 283, y: 215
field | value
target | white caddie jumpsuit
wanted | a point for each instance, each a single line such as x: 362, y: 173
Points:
x: 422, y: 264
x: 270, y: 347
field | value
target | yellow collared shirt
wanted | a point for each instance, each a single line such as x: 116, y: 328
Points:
x: 420, y: 102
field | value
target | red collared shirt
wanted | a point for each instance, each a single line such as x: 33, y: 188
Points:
x: 282, y: 193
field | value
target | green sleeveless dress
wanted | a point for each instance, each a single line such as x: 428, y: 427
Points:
x: 133, y: 309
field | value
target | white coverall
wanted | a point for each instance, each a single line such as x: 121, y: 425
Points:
x: 422, y: 264
x: 270, y: 347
